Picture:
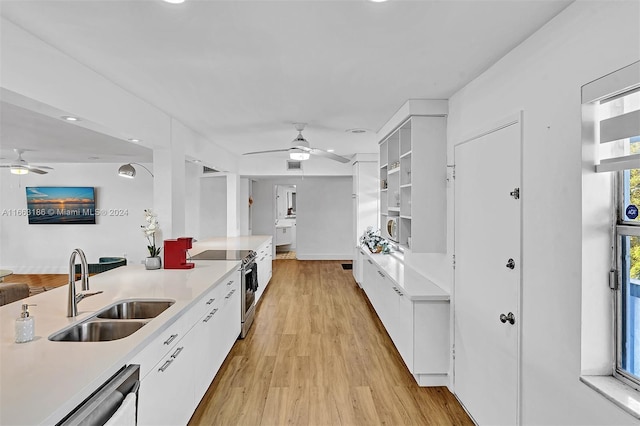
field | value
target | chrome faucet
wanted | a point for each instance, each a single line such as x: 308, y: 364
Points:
x: 74, y: 299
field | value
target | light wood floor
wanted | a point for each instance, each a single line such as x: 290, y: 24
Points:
x: 318, y: 355
x: 38, y: 282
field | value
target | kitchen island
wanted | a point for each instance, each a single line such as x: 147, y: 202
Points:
x: 42, y: 381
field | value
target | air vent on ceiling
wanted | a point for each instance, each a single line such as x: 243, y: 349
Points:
x: 207, y: 170
x: 294, y: 165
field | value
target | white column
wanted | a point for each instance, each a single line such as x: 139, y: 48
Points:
x: 169, y: 186
x: 233, y: 205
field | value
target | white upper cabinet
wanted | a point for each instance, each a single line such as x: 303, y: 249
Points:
x: 413, y: 172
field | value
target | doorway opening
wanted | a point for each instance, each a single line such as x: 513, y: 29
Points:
x: 285, y: 224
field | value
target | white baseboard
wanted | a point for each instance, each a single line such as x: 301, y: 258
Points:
x: 432, y: 379
x: 332, y: 256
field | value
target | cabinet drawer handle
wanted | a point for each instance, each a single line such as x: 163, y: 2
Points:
x: 177, y: 352
x: 208, y: 317
x: 230, y: 282
x: 165, y: 365
x: 369, y: 260
x: 214, y: 312
x: 230, y: 294
x: 170, y: 339
x: 381, y: 274
x: 210, y: 301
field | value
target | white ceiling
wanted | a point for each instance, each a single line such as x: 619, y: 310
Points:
x: 241, y: 72
x: 52, y: 140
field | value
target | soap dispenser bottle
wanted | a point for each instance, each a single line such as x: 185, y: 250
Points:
x: 25, y: 326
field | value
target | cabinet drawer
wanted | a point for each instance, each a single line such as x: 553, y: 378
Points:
x: 162, y: 344
x: 231, y: 292
x: 211, y: 300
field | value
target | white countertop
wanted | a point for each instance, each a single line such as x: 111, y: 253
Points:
x: 248, y: 242
x: 415, y: 285
x: 42, y: 381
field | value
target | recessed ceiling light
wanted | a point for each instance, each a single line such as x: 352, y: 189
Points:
x: 134, y: 140
x: 70, y: 118
x: 357, y: 130
x: 197, y: 161
x: 377, y: 1
x: 174, y: 1
x: 94, y: 158
x: 331, y: 150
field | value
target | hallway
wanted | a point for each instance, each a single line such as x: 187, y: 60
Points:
x: 318, y: 355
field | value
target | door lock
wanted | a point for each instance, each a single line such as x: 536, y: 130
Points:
x: 509, y: 317
x: 511, y: 263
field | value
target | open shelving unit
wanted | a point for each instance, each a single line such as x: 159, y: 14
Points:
x: 413, y: 177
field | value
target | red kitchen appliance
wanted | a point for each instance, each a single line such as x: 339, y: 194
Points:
x: 175, y: 253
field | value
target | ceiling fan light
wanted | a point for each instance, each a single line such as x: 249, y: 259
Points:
x: 127, y: 171
x: 19, y: 170
x: 299, y: 156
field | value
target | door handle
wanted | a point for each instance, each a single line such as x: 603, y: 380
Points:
x: 508, y: 318
x: 511, y: 264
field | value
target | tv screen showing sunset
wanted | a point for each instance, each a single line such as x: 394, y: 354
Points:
x: 61, y: 205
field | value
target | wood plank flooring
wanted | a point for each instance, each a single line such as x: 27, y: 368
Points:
x: 317, y: 354
x: 38, y: 282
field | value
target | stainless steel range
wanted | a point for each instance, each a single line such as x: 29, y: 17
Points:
x: 249, y: 282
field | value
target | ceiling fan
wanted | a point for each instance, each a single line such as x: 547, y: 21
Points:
x: 20, y: 166
x: 301, y: 150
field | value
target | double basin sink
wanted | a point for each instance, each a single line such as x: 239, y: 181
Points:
x: 114, y: 322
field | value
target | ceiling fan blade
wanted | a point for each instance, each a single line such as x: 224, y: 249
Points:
x: 38, y: 171
x: 265, y: 152
x: 31, y: 166
x: 331, y: 155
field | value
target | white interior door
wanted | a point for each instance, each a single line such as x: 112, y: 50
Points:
x: 487, y: 235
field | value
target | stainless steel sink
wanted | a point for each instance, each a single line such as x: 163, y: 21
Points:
x: 97, y: 331
x: 136, y: 309
x: 114, y: 322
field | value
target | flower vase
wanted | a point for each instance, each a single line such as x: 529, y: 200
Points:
x: 153, y: 262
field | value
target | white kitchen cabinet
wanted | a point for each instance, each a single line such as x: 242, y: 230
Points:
x: 264, y: 261
x: 365, y: 204
x: 166, y: 395
x: 412, y: 172
x: 188, y: 355
x: 216, y: 331
x: 418, y: 324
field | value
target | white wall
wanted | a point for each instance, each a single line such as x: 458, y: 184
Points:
x: 213, y: 207
x: 543, y: 77
x: 36, y: 70
x: 324, y: 215
x: 28, y: 248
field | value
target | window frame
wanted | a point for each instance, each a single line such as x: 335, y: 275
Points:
x: 622, y: 228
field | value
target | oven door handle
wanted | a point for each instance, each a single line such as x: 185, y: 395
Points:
x: 248, y: 271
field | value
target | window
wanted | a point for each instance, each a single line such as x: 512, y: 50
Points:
x: 627, y: 236
x: 628, y: 265
x: 610, y: 351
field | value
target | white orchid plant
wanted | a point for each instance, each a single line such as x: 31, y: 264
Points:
x: 150, y: 230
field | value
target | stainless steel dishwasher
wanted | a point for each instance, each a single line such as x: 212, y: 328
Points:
x: 98, y: 408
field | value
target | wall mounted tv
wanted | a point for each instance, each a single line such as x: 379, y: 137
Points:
x: 69, y: 205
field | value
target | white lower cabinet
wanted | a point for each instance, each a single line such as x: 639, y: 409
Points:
x: 264, y: 261
x: 419, y: 329
x: 166, y: 394
x: 186, y: 365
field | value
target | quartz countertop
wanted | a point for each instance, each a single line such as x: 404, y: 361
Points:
x: 248, y: 242
x: 415, y: 285
x: 42, y: 381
